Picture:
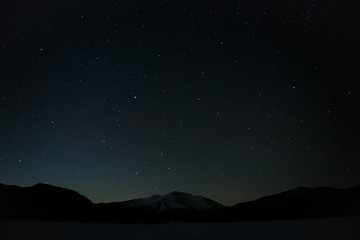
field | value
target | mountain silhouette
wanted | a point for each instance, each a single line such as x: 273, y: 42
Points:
x: 298, y: 203
x: 43, y: 202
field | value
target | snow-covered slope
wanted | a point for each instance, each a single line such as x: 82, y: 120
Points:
x: 175, y: 201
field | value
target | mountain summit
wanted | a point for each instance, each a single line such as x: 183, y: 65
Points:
x: 174, y: 201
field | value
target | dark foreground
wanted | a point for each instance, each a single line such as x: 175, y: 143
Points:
x: 335, y: 228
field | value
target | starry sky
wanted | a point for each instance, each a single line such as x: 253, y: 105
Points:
x: 232, y: 100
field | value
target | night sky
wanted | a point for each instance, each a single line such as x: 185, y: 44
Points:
x: 232, y: 100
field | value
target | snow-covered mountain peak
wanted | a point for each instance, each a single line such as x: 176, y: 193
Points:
x: 175, y: 201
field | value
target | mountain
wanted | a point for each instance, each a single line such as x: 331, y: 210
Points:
x: 175, y: 201
x: 42, y: 201
x: 176, y: 206
x: 299, y: 203
x: 49, y: 203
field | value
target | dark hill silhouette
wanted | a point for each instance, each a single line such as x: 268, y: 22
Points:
x: 42, y: 202
x: 300, y: 203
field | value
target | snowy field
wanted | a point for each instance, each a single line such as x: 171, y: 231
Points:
x: 340, y: 228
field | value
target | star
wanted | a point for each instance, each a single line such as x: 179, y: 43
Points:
x: 133, y: 94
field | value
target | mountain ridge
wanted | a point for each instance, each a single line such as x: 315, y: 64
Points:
x: 172, y: 201
x: 51, y: 203
x: 300, y: 202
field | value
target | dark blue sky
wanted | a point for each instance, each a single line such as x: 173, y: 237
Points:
x: 232, y: 100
